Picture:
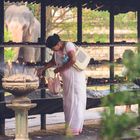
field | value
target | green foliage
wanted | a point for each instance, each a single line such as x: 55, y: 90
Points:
x: 126, y: 21
x: 95, y: 19
x: 68, y: 29
x: 131, y: 62
x: 35, y: 8
x: 95, y: 24
x: 121, y: 98
x: 7, y: 35
x: 115, y: 126
x: 8, y: 52
x: 100, y: 38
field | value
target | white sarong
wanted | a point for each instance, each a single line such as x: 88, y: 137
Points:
x: 74, y: 98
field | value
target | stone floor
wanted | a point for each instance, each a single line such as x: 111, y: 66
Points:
x: 56, y: 132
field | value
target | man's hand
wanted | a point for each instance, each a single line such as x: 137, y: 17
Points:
x: 57, y: 70
x: 40, y: 71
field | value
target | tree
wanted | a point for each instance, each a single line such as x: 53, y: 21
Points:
x: 114, y: 126
x: 56, y: 19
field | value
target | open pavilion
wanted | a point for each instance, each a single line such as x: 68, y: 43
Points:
x: 113, y: 7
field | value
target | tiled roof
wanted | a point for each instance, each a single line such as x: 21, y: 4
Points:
x: 119, y: 6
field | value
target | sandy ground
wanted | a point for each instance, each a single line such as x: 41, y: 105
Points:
x: 57, y: 132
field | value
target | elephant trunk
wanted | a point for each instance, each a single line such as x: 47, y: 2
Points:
x: 16, y: 30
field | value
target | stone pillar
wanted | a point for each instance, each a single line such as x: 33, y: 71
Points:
x: 21, y: 117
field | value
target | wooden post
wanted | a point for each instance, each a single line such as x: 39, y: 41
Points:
x: 138, y: 36
x: 43, y: 38
x: 79, y: 23
x: 138, y: 29
x: 138, y: 25
x: 111, y: 47
x: 2, y: 120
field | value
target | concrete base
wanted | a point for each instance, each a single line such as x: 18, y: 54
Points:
x: 21, y: 117
x: 22, y: 139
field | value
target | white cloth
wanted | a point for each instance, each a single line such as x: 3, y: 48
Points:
x: 49, y: 72
x: 74, y: 99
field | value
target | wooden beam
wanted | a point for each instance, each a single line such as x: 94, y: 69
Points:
x: 84, y: 44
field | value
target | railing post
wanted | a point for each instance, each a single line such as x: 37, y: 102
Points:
x: 2, y: 120
x: 79, y: 23
x: 138, y: 29
x: 43, y: 38
x: 138, y: 36
x: 111, y: 47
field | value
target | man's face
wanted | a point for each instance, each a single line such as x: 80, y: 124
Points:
x: 57, y: 47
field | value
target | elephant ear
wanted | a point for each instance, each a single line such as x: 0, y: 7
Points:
x: 34, y: 30
x: 9, y: 12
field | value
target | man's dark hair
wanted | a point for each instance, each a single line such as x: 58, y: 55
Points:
x: 52, y: 40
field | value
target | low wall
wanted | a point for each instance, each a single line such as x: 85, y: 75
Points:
x: 102, y: 71
x: 100, y: 53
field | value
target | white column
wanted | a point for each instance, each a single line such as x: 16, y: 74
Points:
x: 21, y: 118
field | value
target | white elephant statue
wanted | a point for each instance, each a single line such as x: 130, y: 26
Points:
x: 24, y: 27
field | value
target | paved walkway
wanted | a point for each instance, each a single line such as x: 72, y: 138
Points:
x: 56, y: 132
